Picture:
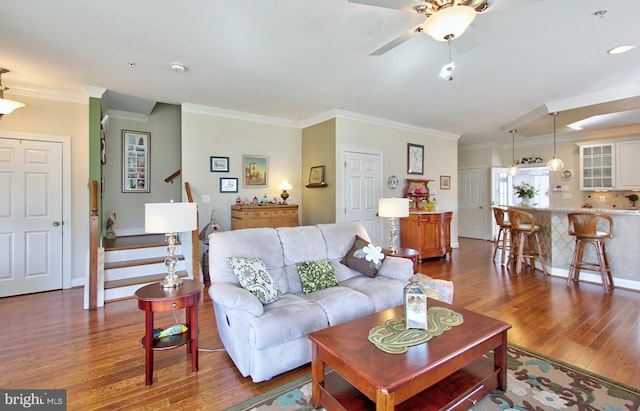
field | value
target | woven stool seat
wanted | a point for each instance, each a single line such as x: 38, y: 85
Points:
x: 587, y: 229
x: 526, y: 241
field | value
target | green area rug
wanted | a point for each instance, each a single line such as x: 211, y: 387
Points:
x: 534, y: 383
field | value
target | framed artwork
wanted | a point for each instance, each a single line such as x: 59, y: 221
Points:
x: 136, y: 153
x: 415, y: 159
x: 219, y: 164
x: 228, y: 185
x: 445, y: 182
x: 316, y: 176
x: 255, y: 170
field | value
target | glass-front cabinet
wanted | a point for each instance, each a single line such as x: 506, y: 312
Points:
x: 597, y: 165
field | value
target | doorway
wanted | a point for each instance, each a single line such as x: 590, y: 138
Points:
x: 362, y: 189
x: 31, y: 175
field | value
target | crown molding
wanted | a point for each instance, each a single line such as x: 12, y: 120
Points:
x: 350, y: 115
x: 48, y: 94
x: 95, y: 92
x: 127, y: 115
x: 238, y: 115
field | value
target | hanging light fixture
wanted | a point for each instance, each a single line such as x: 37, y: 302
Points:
x: 514, y: 167
x: 555, y: 164
x: 6, y: 106
x: 450, y: 22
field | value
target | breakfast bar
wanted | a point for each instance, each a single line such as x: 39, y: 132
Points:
x: 622, y: 249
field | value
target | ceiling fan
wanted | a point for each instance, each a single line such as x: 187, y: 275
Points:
x: 445, y: 19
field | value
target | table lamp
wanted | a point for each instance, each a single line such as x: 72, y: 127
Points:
x: 393, y: 208
x: 170, y: 219
x: 284, y: 186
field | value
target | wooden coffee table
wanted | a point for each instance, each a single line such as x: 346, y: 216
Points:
x: 447, y: 372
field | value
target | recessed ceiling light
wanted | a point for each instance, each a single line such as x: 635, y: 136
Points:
x: 621, y: 49
x: 178, y: 68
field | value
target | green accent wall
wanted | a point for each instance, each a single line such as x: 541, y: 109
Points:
x: 95, y: 166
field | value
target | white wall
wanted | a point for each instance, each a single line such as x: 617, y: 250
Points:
x: 440, y: 158
x: 209, y: 132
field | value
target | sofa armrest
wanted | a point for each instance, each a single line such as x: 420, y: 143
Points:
x: 234, y: 297
x: 396, y: 267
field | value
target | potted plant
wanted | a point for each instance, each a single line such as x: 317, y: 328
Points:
x: 633, y: 198
x: 525, y: 192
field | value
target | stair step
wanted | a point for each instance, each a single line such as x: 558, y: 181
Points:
x: 128, y: 242
x: 125, y: 282
x: 138, y: 262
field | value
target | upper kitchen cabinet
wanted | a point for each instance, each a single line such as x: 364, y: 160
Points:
x: 597, y: 166
x: 610, y: 165
x: 627, y: 157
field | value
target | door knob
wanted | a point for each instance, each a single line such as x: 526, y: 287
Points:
x: 56, y: 223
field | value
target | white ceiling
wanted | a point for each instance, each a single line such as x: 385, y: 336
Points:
x: 296, y: 60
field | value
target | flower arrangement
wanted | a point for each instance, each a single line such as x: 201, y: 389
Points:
x: 525, y: 190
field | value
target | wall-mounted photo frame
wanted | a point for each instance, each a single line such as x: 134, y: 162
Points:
x: 136, y: 161
x: 415, y: 159
x: 255, y: 171
x: 219, y: 164
x: 228, y: 185
x: 316, y: 177
x: 445, y: 182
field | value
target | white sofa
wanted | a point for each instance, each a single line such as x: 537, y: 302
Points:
x: 264, y: 340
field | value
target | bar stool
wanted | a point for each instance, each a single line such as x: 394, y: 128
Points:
x: 584, y: 226
x: 524, y: 232
x: 503, y: 239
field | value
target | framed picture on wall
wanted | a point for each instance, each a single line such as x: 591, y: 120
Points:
x: 228, y: 185
x: 415, y: 159
x: 136, y: 157
x: 255, y: 170
x: 219, y: 164
x: 445, y: 182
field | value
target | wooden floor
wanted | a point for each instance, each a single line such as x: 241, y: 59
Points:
x: 48, y: 341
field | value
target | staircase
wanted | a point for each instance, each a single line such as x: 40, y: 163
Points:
x: 131, y: 262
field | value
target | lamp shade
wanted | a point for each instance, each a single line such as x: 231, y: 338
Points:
x: 285, y: 185
x: 7, y: 106
x: 170, y: 217
x: 451, y: 21
x: 393, y: 207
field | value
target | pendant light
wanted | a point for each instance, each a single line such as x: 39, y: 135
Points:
x: 6, y: 105
x: 555, y: 164
x: 514, y: 167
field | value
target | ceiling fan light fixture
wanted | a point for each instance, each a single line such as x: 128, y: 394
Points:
x: 449, y: 22
x: 621, y: 49
x: 6, y: 105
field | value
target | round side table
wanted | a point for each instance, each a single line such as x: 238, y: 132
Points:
x: 153, y: 298
x: 408, y: 253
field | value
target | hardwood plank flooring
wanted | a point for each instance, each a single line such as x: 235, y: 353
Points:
x: 49, y: 341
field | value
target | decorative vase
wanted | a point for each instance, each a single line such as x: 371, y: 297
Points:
x: 525, y: 202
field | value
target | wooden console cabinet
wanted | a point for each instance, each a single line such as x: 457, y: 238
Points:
x: 427, y: 232
x: 264, y: 216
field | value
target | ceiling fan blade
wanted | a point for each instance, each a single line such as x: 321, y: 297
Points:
x: 397, y: 41
x: 406, y: 5
x: 466, y: 42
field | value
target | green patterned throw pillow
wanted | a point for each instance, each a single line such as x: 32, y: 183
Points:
x: 316, y: 275
x: 254, y: 277
x: 364, y: 257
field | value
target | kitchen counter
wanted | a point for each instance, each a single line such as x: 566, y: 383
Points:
x: 622, y: 249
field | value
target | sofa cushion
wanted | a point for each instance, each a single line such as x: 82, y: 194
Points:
x: 342, y: 304
x: 339, y: 237
x: 316, y: 275
x: 254, y: 277
x: 383, y: 292
x: 364, y: 257
x: 291, y: 317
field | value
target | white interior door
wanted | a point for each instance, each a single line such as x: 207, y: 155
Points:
x: 362, y: 178
x: 30, y: 216
x: 472, y: 186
